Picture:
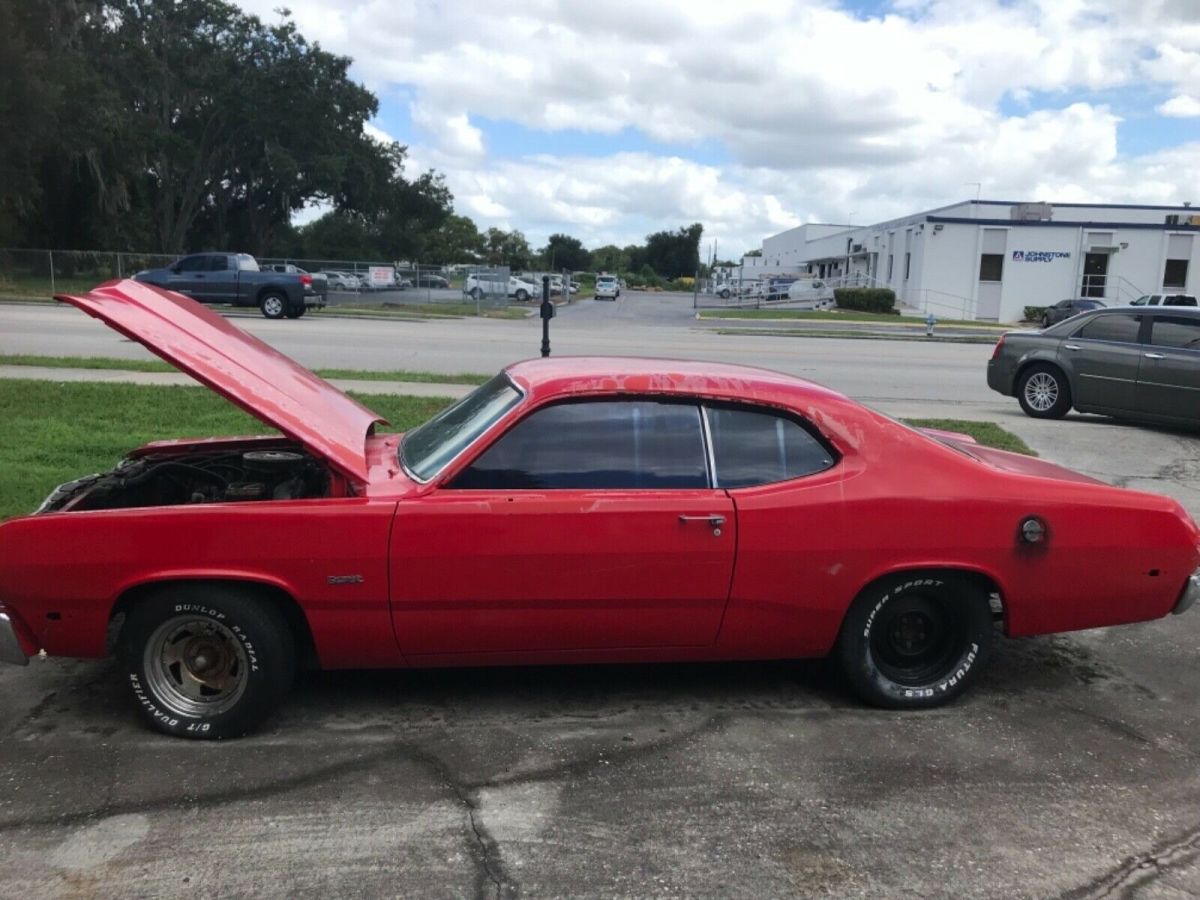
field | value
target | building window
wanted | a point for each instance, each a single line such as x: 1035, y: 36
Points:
x: 1175, y: 273
x: 889, y: 278
x: 907, y: 265
x: 991, y: 266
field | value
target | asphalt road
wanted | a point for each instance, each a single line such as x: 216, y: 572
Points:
x: 1069, y: 771
x: 638, y: 324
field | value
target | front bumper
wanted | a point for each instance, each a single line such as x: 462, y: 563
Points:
x: 1191, y: 593
x: 10, y: 646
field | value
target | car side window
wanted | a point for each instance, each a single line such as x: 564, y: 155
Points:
x: 596, y: 445
x: 192, y: 264
x: 1119, y: 327
x: 1180, y: 332
x: 761, y: 447
x: 1063, y: 304
x: 218, y: 262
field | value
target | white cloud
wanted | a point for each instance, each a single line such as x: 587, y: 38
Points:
x: 1181, y: 106
x: 821, y: 112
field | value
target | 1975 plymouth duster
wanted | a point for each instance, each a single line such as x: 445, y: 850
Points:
x: 569, y: 510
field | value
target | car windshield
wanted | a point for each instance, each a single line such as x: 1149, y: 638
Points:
x: 428, y: 449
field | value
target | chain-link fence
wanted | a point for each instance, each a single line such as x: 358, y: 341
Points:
x: 39, y: 274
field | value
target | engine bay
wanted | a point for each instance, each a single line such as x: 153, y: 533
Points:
x: 217, y: 475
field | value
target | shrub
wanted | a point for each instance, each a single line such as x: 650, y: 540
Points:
x: 877, y: 300
x: 1034, y: 313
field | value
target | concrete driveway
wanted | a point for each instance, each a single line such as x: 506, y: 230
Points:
x: 1071, y: 770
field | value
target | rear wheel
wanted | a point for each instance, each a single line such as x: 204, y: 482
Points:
x: 295, y: 310
x: 915, y: 641
x: 1043, y: 392
x: 206, y: 661
x: 273, y: 305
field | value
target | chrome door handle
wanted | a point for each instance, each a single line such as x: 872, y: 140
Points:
x: 1072, y: 347
x: 714, y: 521
x: 1154, y: 356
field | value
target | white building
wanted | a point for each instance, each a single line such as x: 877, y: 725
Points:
x: 989, y: 259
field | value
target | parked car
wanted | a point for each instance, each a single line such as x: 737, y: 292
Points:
x: 429, y: 280
x: 342, y: 281
x: 476, y: 286
x: 236, y: 278
x: 607, y: 287
x: 573, y: 509
x: 1134, y: 362
x: 1064, y: 309
x: 1165, y: 300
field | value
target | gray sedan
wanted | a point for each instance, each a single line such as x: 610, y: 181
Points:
x: 1131, y: 362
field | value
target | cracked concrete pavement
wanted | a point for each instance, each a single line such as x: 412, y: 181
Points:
x: 1071, y: 770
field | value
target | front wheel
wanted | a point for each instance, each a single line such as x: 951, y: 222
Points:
x: 1043, y: 392
x: 475, y: 293
x: 522, y: 295
x: 915, y: 641
x: 206, y: 661
x: 273, y: 305
x: 1045, y: 321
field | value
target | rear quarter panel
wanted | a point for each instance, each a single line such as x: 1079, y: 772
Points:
x: 63, y: 572
x: 899, y: 502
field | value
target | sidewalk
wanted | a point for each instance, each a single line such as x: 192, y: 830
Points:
x: 51, y: 373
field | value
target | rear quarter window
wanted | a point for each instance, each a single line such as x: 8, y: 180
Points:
x: 752, y: 447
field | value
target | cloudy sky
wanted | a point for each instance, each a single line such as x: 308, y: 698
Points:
x: 609, y: 119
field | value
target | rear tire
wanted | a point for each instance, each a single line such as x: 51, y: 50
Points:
x: 1043, y: 392
x: 206, y: 661
x: 295, y: 310
x: 915, y: 641
x: 273, y: 305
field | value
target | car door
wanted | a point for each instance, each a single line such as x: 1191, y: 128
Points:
x: 1169, y: 377
x: 187, y: 276
x: 586, y: 526
x: 1101, y: 359
x: 221, y: 279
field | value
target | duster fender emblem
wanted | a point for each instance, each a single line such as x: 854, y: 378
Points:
x: 345, y: 579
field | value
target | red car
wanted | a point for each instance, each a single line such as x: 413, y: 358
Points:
x: 569, y: 510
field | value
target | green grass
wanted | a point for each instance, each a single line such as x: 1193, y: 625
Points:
x: 55, y: 432
x: 989, y: 434
x: 825, y: 315
x: 37, y: 287
x: 157, y: 365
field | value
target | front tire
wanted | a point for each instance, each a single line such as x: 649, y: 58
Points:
x: 1043, y: 392
x: 915, y: 641
x: 206, y: 661
x: 273, y: 305
x: 1045, y: 321
x: 522, y: 296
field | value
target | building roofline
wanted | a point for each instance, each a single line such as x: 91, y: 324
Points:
x: 1176, y: 208
x: 1017, y: 223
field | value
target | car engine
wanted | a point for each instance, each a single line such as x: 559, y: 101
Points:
x: 216, y: 476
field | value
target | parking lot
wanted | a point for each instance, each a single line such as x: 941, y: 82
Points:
x: 1070, y: 770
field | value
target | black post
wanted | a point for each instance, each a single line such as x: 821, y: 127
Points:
x: 547, y: 315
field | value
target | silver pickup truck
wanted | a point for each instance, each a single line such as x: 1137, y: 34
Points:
x: 236, y: 278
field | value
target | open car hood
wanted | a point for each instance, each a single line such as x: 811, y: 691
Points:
x: 238, y: 366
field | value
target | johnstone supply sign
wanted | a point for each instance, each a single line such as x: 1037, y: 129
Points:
x: 1039, y: 255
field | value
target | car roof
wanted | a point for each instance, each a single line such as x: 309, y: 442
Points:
x: 579, y: 375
